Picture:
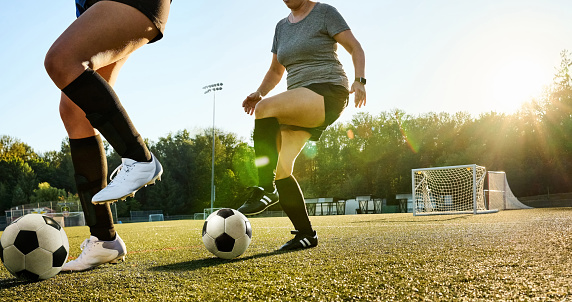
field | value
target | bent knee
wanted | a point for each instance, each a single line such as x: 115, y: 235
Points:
x: 54, y: 63
x: 61, y: 66
x: 263, y: 110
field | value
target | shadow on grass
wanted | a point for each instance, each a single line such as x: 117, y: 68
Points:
x: 210, y: 262
x: 13, y: 282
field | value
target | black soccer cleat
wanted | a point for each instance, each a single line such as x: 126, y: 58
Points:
x: 301, y: 241
x: 258, y: 201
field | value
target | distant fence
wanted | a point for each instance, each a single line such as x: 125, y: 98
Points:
x: 143, y: 216
x: 165, y: 218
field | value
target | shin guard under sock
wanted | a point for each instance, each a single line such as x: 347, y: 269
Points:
x: 90, y: 167
x: 265, y: 133
x: 292, y: 202
x: 105, y: 113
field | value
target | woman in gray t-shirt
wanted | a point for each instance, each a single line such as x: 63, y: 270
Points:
x: 305, y: 45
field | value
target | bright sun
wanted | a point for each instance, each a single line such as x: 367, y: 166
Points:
x: 516, y: 81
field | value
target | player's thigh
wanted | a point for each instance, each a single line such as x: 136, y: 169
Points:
x: 105, y: 33
x: 111, y: 71
x: 292, y: 142
x: 299, y: 107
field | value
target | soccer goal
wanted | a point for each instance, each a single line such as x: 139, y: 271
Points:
x: 500, y: 196
x: 449, y: 190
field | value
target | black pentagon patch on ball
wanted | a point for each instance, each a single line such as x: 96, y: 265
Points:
x: 27, y: 275
x: 248, y: 229
x: 224, y: 243
x: 51, y: 222
x: 205, y: 228
x: 225, y: 213
x: 59, y: 257
x: 26, y: 241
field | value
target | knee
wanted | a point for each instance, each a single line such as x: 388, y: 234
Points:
x: 53, y: 64
x: 262, y: 110
x: 59, y: 65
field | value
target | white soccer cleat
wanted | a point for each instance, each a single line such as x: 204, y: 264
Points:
x: 130, y: 176
x: 96, y: 252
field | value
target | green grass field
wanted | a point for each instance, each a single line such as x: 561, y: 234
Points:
x: 512, y: 255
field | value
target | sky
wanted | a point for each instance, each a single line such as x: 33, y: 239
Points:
x: 421, y: 56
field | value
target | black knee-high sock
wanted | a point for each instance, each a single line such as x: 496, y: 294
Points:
x: 292, y: 202
x: 105, y: 113
x: 265, y: 132
x: 90, y: 167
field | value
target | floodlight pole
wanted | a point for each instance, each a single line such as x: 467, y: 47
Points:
x: 213, y: 88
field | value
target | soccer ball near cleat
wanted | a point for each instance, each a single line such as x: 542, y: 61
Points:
x: 34, y: 247
x: 227, y: 233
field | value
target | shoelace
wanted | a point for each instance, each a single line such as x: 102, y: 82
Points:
x: 115, y: 173
x: 85, y: 245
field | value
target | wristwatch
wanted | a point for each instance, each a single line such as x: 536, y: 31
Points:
x: 361, y: 80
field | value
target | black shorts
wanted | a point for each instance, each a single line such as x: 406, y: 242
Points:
x: 335, y: 101
x: 156, y: 10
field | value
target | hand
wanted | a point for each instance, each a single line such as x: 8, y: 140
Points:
x: 250, y: 102
x: 359, y: 90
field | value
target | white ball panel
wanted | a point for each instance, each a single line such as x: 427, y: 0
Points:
x: 39, y: 261
x: 31, y: 222
x: 9, y: 235
x: 65, y: 241
x: 241, y: 245
x: 215, y: 226
x: 14, y: 260
x: 235, y: 226
x: 209, y: 243
x: 226, y: 255
x: 50, y: 273
x: 49, y: 238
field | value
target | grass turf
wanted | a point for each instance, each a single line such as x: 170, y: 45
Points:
x: 511, y: 255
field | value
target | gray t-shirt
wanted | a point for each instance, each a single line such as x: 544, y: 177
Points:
x: 308, y: 50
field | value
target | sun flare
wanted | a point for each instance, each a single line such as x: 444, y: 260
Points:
x: 517, y: 81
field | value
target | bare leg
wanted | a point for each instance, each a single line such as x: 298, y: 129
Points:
x: 291, y: 144
x: 291, y: 196
x: 101, y: 39
x: 106, y: 33
x: 298, y: 107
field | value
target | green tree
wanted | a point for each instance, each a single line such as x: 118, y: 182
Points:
x: 45, y: 192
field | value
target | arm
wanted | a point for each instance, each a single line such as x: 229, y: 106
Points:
x: 351, y: 44
x: 271, y: 79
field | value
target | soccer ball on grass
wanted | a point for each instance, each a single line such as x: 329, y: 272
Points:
x: 34, y: 247
x: 227, y: 233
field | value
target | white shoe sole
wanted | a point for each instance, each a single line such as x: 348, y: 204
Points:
x: 114, y: 262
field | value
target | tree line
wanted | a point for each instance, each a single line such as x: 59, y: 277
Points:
x: 370, y: 155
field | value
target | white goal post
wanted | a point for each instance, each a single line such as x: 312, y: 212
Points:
x: 449, y: 190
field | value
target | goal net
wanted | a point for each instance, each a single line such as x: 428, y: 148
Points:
x: 449, y: 190
x: 500, y: 196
